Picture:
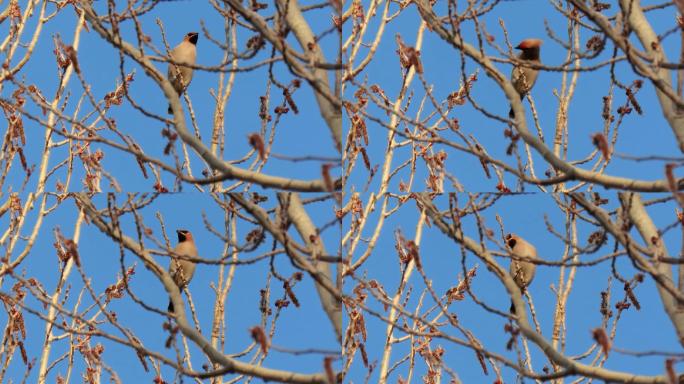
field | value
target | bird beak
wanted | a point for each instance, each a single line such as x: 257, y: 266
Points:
x: 510, y: 240
x: 181, y: 235
x: 193, y: 37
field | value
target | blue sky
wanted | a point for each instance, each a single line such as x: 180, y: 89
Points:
x: 639, y: 135
x: 100, y: 260
x: 647, y: 329
x: 306, y: 134
x: 296, y: 135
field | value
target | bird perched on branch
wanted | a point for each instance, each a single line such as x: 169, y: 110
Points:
x: 181, y: 270
x: 522, y: 271
x: 183, y: 53
x: 523, y: 78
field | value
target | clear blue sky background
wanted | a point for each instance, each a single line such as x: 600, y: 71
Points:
x: 100, y: 259
x: 647, y: 329
x: 306, y: 134
x: 645, y: 135
x: 296, y: 135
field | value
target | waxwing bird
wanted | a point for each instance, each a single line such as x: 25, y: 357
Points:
x: 523, y: 78
x: 521, y: 271
x: 181, y: 270
x: 183, y: 53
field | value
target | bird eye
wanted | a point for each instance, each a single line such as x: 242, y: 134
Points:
x: 511, y: 242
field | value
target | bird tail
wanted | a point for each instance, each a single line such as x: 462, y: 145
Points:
x: 170, y: 308
x: 511, y: 114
